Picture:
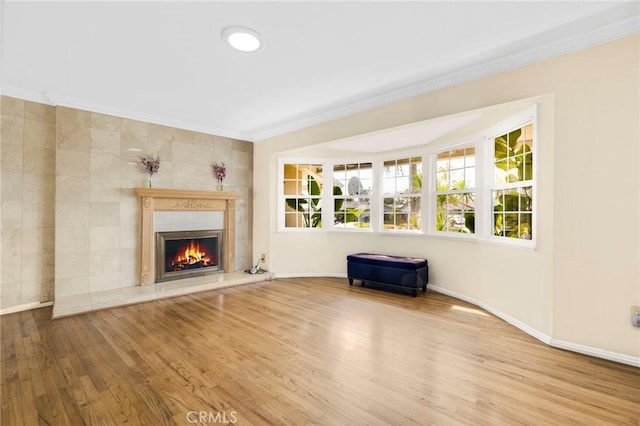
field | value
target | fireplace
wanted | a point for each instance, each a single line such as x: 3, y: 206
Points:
x: 158, y: 199
x: 185, y: 254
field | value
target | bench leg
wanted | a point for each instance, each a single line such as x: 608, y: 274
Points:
x: 350, y: 281
x: 414, y: 293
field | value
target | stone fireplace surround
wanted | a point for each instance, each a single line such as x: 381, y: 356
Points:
x: 154, y: 200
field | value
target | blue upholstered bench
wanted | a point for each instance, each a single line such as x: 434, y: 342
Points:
x: 400, y: 272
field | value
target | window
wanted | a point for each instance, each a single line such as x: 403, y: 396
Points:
x: 512, y: 191
x: 352, y: 186
x: 402, y: 193
x: 455, y: 184
x: 303, y: 195
x: 479, y: 188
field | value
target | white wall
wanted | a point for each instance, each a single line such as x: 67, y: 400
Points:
x: 584, y: 275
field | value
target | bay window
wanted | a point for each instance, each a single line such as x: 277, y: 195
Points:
x: 482, y: 189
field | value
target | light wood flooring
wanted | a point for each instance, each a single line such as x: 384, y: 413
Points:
x: 296, y: 352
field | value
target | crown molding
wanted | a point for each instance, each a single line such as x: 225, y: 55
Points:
x: 69, y: 102
x: 477, y: 68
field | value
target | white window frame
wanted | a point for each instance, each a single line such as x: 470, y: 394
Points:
x: 484, y: 145
x: 424, y: 218
x: 281, y: 216
x: 527, y: 116
x: 433, y: 193
x: 330, y: 199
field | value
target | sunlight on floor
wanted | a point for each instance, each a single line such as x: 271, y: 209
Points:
x: 469, y: 310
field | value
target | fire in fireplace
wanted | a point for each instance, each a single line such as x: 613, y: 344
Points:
x: 187, y: 253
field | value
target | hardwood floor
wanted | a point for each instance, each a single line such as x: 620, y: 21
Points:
x: 300, y: 351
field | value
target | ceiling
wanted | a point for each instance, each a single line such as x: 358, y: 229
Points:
x: 165, y: 62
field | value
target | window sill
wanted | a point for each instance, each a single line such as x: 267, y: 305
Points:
x: 526, y: 245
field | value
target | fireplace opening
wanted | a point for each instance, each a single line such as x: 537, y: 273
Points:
x: 187, y: 253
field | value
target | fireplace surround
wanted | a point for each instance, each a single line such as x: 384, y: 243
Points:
x: 159, y: 199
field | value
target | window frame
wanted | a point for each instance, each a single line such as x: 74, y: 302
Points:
x: 373, y: 205
x: 381, y: 195
x: 282, y: 197
x: 483, y: 142
x: 519, y: 120
x: 433, y: 192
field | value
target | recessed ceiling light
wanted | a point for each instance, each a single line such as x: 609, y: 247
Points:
x: 243, y: 39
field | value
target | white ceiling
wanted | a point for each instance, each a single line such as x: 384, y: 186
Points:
x: 165, y: 62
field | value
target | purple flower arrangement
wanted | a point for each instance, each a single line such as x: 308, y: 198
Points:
x: 220, y: 170
x: 151, y: 164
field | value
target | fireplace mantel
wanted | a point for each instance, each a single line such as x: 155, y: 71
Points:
x: 159, y: 199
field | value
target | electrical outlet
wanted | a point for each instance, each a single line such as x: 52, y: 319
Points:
x: 635, y: 316
x: 264, y: 257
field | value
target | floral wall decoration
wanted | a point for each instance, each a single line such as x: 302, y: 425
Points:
x: 220, y: 171
x: 152, y: 166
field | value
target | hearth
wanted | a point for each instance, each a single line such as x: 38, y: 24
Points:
x: 182, y: 254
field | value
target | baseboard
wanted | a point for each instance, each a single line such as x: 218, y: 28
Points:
x: 25, y: 307
x: 508, y: 318
x: 595, y: 352
x: 560, y: 344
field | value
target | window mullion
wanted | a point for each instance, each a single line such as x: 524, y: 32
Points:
x: 327, y: 200
x: 484, y: 185
x: 374, y: 200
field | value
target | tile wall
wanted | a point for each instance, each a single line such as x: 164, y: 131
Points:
x: 93, y: 168
x: 27, y: 149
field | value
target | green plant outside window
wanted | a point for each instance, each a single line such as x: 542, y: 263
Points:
x: 512, y: 196
x: 402, y: 194
x: 303, y: 193
x: 455, y: 196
